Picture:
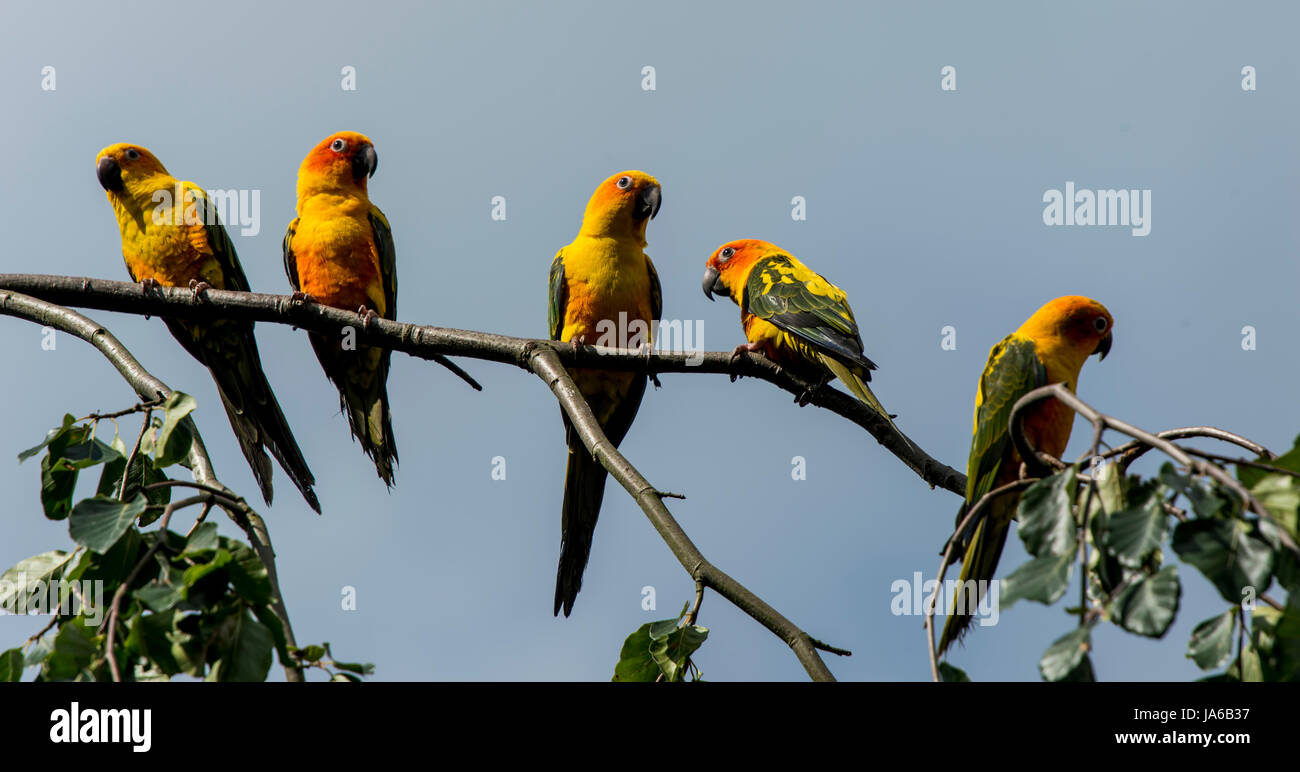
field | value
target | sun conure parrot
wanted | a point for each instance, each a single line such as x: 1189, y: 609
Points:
x: 339, y: 252
x: 1050, y: 347
x: 181, y: 243
x: 604, y: 275
x: 792, y: 316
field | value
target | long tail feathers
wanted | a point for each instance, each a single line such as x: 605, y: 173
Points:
x: 258, y: 423
x: 584, y: 487
x: 858, y: 385
x: 979, y: 565
x: 372, y: 426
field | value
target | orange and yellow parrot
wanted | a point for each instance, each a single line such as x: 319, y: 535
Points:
x: 603, y: 276
x: 339, y: 252
x: 181, y: 243
x: 1050, y: 347
x: 792, y: 315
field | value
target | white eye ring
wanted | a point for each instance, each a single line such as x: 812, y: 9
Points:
x: 1100, y: 324
x: 338, y: 145
x: 132, y: 154
x: 624, y: 182
x: 726, y: 253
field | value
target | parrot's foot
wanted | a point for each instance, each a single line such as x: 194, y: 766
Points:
x: 149, y: 283
x: 299, y: 297
x: 752, y: 348
x: 648, y: 351
x: 197, y: 288
x: 809, y: 393
x: 368, y: 316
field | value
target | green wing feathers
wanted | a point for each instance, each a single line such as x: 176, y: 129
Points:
x: 1013, y: 370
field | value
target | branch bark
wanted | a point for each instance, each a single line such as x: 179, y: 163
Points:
x: 438, y: 343
x: 150, y: 389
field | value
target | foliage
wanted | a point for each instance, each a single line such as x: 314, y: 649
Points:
x: 196, y: 604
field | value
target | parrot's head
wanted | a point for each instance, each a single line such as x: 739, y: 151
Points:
x: 728, y: 267
x: 622, y: 205
x: 128, y: 170
x: 341, y: 161
x: 1080, y: 324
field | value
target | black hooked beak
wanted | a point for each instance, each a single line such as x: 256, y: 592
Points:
x: 364, y: 163
x: 647, y: 203
x: 713, y: 283
x: 109, y: 174
x: 1103, y: 348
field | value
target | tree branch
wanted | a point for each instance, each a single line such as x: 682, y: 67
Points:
x: 438, y: 343
x: 150, y: 389
x: 545, y: 363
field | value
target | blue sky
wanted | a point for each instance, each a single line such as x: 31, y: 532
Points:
x: 924, y: 205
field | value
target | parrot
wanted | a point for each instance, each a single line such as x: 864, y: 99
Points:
x: 603, y: 277
x: 792, y: 315
x: 182, y: 243
x: 339, y: 252
x: 1050, y: 347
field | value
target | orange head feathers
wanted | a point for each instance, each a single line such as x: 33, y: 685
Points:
x: 341, y: 161
x: 728, y: 267
x: 1074, y: 323
x: 125, y: 169
x: 622, y: 205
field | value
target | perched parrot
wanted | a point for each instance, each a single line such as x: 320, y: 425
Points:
x: 604, y: 275
x: 1048, y: 348
x: 791, y: 315
x: 339, y: 252
x: 181, y: 243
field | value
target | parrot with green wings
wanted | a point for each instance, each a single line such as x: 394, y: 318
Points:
x: 1050, y: 347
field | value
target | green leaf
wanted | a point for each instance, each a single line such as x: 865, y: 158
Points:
x: 196, y: 572
x: 1211, y: 641
x: 1232, y: 554
x: 11, y: 666
x: 1249, y: 666
x: 1207, y: 497
x: 151, y: 636
x: 671, y: 645
x: 1250, y: 476
x: 950, y: 674
x: 73, y: 653
x: 158, y: 597
x: 311, y: 654
x: 1110, y: 486
x: 203, y: 539
x: 248, y: 657
x: 58, y: 481
x: 96, y: 523
x: 143, y: 473
x: 1139, y: 529
x: 1280, y: 495
x: 1043, y: 580
x: 14, y: 583
x: 1148, y: 606
x: 89, y: 453
x: 634, y: 662
x: 50, y: 436
x: 247, y: 572
x: 1046, y: 518
x: 1065, y: 654
x: 174, y: 440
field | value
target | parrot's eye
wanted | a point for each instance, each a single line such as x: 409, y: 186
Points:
x: 338, y: 145
x: 132, y: 154
x: 624, y: 182
x: 726, y: 253
x: 1100, y: 323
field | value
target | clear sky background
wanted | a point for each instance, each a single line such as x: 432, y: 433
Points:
x: 924, y: 205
